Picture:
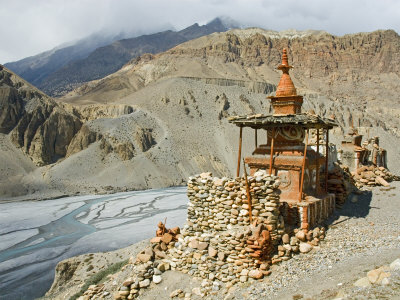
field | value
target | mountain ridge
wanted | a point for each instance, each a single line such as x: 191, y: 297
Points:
x: 55, y: 72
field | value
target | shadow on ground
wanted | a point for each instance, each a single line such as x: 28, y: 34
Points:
x: 357, y: 205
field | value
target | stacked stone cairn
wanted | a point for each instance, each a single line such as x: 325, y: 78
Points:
x: 94, y: 290
x: 340, y: 183
x: 373, y: 176
x: 218, y: 240
x: 219, y: 204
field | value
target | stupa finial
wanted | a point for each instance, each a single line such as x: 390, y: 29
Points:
x: 285, y: 58
x: 285, y: 86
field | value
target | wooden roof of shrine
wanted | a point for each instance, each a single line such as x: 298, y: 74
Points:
x: 305, y: 120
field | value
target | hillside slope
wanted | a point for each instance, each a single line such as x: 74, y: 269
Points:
x: 192, y: 87
x: 360, y: 69
x: 34, y: 131
x: 162, y: 118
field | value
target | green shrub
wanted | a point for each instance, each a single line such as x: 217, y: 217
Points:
x: 99, y: 277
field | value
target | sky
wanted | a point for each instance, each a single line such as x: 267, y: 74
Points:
x: 33, y: 26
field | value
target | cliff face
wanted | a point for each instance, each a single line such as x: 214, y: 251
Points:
x: 45, y: 131
x: 38, y: 125
x: 14, y: 93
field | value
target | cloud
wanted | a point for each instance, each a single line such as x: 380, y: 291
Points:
x: 29, y: 27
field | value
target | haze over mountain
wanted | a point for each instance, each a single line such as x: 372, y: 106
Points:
x: 35, y: 69
x: 60, y: 70
x: 162, y: 118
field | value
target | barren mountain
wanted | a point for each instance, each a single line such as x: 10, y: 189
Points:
x: 354, y: 77
x: 162, y: 118
x: 35, y: 69
x: 61, y: 70
x: 360, y: 69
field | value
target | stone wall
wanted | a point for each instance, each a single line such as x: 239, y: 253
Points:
x: 219, y: 203
x: 218, y: 242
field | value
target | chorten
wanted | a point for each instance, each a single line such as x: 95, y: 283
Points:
x: 286, y: 100
x: 287, y: 153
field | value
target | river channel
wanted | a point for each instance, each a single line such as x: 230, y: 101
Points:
x: 36, y: 235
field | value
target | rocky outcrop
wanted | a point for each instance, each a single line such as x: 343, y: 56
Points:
x: 82, y: 140
x: 14, y: 93
x: 65, y: 271
x: 144, y: 138
x: 11, y: 108
x: 318, y: 52
x: 110, y: 142
x: 38, y: 125
x: 253, y: 86
x: 45, y: 131
x: 92, y: 112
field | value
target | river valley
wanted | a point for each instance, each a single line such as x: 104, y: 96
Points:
x: 36, y: 235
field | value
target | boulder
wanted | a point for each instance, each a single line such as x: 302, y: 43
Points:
x: 194, y: 244
x: 362, y: 282
x: 244, y: 272
x: 143, y: 257
x: 202, y: 246
x: 149, y: 251
x: 256, y: 274
x: 305, y: 247
x: 301, y: 235
x: 155, y: 240
x: 221, y: 256
x: 144, y: 283
x: 395, y: 265
x: 285, y: 238
x: 373, y: 275
x: 167, y: 238
x: 212, y: 252
x: 157, y: 279
x: 128, y: 281
x: 160, y: 254
x: 163, y: 266
x: 175, y: 293
x: 381, y: 181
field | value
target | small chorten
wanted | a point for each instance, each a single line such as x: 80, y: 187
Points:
x: 286, y: 101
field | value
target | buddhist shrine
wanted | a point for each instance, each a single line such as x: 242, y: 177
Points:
x: 286, y: 153
x: 355, y: 154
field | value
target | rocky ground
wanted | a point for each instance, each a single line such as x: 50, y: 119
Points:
x: 362, y: 236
